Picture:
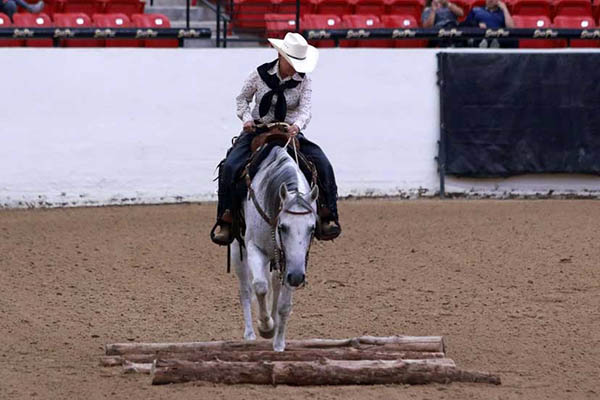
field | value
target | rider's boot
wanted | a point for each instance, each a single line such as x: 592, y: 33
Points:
x: 221, y: 233
x: 329, y: 228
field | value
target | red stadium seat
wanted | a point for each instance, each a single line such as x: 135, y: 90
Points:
x: 88, y: 7
x: 533, y: 21
x: 318, y: 21
x: 596, y: 10
x: 154, y: 21
x: 117, y: 20
x: 250, y: 14
x: 532, y: 7
x: 574, y: 22
x: 27, y: 20
x: 289, y: 6
x: 403, y: 22
x: 127, y: 7
x: 280, y: 24
x: 372, y: 7
x: 358, y: 21
x: 406, y: 7
x: 362, y: 22
x: 5, y: 23
x: 336, y: 7
x: 579, y: 8
x: 76, y: 20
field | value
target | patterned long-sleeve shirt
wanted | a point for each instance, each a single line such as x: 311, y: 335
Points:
x: 298, y: 99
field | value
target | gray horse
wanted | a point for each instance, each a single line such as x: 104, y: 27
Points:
x: 281, y: 217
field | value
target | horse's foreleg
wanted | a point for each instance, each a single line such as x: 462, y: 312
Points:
x: 258, y: 264
x: 275, y: 288
x: 284, y: 308
x: 243, y: 274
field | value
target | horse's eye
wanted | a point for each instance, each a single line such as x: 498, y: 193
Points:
x: 311, y: 229
x: 283, y: 228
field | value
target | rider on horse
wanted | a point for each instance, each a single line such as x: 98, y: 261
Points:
x: 282, y: 93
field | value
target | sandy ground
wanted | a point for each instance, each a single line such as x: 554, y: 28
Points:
x: 514, y: 286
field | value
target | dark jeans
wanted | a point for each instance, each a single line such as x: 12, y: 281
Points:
x: 10, y: 6
x: 238, y: 156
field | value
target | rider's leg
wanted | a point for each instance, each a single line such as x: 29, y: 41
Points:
x: 230, y: 169
x: 330, y: 227
x: 32, y: 8
x: 9, y: 8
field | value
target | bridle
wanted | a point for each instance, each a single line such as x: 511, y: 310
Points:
x: 278, y: 262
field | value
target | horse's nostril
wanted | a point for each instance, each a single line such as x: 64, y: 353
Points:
x: 295, y: 280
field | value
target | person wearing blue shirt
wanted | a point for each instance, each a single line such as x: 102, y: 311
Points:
x: 441, y: 14
x: 494, y: 15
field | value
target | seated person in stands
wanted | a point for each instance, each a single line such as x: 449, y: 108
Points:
x: 9, y: 7
x: 441, y: 14
x: 280, y: 92
x: 494, y: 15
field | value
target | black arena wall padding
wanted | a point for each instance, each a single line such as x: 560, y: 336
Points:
x: 506, y: 114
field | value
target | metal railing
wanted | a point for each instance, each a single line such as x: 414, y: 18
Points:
x: 242, y: 25
x: 229, y: 19
x: 251, y: 21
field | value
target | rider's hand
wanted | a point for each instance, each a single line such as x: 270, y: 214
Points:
x: 293, y: 130
x: 249, y: 126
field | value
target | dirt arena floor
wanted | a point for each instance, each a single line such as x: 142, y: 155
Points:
x: 513, y: 286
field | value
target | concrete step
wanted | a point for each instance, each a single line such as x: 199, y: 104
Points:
x: 197, y: 43
x: 178, y: 13
x: 212, y: 25
x: 168, y: 3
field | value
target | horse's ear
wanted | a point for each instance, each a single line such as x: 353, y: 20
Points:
x: 314, y: 193
x: 283, y: 192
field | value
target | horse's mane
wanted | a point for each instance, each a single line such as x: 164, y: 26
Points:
x: 279, y: 168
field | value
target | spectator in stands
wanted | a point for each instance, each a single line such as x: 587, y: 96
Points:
x: 494, y: 15
x: 281, y: 91
x: 9, y: 7
x: 441, y: 14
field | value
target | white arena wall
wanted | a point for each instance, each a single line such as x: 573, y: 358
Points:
x: 102, y: 126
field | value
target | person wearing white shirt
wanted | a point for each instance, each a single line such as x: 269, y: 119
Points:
x: 281, y: 92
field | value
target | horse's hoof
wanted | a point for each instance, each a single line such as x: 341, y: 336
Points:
x: 266, y: 334
x: 278, y: 347
x: 266, y: 329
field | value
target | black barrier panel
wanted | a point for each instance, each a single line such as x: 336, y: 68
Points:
x: 506, y: 114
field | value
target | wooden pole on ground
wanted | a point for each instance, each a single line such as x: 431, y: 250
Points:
x: 397, y: 343
x: 308, y: 354
x: 328, y: 372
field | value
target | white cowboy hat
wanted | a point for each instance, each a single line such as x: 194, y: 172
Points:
x: 294, y: 48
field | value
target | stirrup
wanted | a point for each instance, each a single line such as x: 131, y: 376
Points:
x: 332, y: 234
x: 218, y: 240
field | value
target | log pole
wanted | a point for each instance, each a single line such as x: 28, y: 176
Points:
x: 328, y: 372
x: 398, y: 343
x: 308, y: 354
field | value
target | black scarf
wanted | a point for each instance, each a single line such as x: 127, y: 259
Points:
x: 277, y: 88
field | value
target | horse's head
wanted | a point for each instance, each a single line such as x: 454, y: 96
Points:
x: 295, y: 230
